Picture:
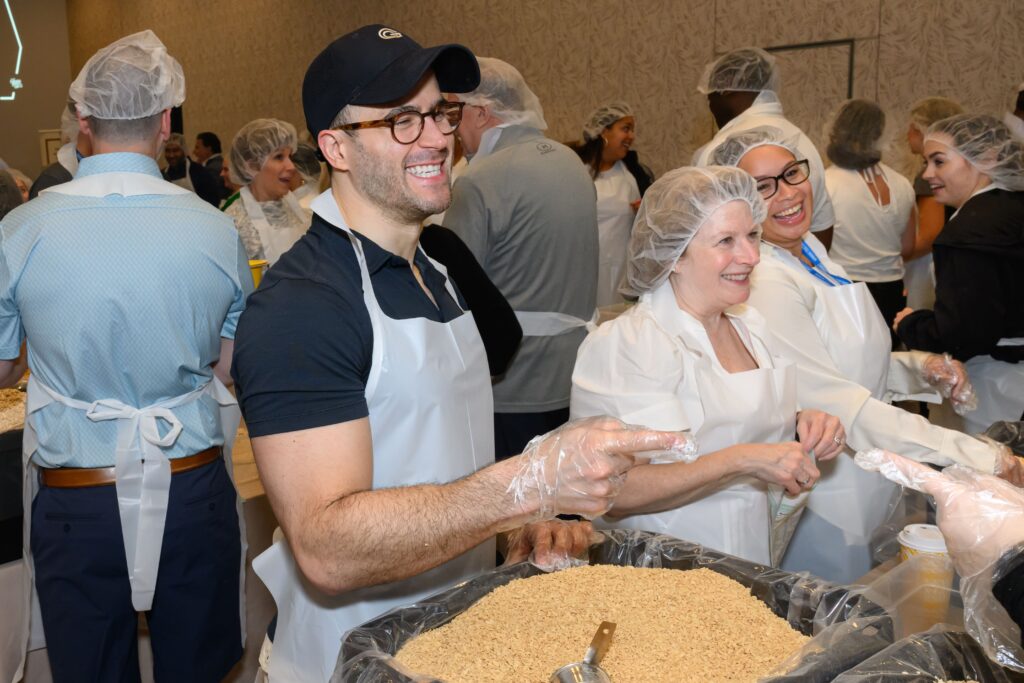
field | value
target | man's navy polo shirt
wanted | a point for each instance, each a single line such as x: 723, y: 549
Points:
x: 304, y: 344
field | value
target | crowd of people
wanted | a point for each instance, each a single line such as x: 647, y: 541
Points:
x: 414, y: 394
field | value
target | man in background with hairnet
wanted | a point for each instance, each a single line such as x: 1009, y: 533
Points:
x: 75, y: 148
x: 742, y: 90
x: 526, y: 207
x: 128, y: 290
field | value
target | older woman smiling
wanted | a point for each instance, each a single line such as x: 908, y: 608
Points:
x: 831, y: 329
x: 689, y: 355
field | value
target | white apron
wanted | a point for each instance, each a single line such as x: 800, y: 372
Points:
x: 756, y: 406
x: 275, y: 239
x: 184, y: 182
x: 142, y: 487
x: 431, y: 417
x: 846, y: 496
x: 999, y: 387
x: 616, y: 191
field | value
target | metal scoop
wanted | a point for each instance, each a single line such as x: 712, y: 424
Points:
x: 589, y: 671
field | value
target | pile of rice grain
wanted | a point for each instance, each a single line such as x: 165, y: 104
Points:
x: 671, y: 625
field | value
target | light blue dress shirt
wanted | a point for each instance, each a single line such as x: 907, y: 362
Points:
x: 122, y: 297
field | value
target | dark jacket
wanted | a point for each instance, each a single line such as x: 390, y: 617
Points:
x: 979, y: 282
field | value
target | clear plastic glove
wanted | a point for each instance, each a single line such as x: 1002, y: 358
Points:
x: 820, y: 433
x: 981, y: 518
x: 950, y: 378
x: 553, y: 545
x: 579, y: 468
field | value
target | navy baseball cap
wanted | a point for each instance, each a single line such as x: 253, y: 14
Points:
x: 375, y: 65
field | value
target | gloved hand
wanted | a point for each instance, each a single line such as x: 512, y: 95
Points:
x: 579, y: 468
x: 552, y: 545
x: 981, y: 518
x: 949, y: 376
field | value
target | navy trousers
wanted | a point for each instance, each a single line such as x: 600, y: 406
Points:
x: 85, y: 598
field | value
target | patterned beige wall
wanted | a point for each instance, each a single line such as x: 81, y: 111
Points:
x: 246, y: 58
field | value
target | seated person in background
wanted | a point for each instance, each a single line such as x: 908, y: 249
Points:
x: 875, y: 219
x: 182, y: 172
x: 691, y: 356
x: 268, y: 216
x: 620, y: 180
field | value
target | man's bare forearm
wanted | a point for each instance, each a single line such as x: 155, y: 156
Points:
x: 373, y: 537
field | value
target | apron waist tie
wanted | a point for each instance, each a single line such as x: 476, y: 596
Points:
x: 83, y: 477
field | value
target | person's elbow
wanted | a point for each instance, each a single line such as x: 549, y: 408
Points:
x: 326, y: 576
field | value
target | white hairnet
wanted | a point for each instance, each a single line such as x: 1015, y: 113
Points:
x: 131, y: 78
x: 748, y: 69
x: 735, y: 147
x: 604, y: 116
x: 306, y: 162
x: 256, y: 141
x: 503, y: 89
x: 673, y: 210
x: 68, y: 125
x: 927, y: 111
x: 855, y: 134
x: 176, y: 139
x: 987, y: 144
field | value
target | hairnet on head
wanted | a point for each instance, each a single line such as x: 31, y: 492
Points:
x: 176, y: 139
x: 673, y: 210
x: 254, y: 143
x: 131, y: 78
x: 503, y: 89
x: 10, y: 195
x: 987, y: 144
x: 735, y: 147
x: 855, y: 134
x: 749, y: 69
x: 931, y: 109
x: 604, y: 116
x: 306, y: 163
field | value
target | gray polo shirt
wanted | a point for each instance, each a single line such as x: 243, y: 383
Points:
x: 528, y: 211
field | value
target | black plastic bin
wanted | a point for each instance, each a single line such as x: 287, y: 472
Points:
x: 808, y: 603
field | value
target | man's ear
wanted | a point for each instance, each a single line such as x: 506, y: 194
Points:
x: 333, y: 149
x: 165, y: 125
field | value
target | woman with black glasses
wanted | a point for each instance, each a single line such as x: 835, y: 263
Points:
x: 831, y: 329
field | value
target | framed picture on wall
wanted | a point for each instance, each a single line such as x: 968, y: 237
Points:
x: 49, y: 143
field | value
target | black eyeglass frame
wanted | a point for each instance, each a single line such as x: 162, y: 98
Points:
x: 801, y: 163
x: 441, y: 110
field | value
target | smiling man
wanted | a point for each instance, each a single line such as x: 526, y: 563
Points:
x: 364, y: 382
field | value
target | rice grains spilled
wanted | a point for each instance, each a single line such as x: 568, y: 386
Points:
x: 671, y: 625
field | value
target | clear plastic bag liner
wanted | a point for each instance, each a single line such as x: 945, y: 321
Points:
x: 847, y: 626
x: 941, y: 653
x: 1009, y: 433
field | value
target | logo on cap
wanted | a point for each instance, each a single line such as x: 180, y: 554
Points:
x: 388, y: 33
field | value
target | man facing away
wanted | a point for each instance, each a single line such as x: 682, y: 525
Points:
x: 127, y: 289
x: 527, y: 209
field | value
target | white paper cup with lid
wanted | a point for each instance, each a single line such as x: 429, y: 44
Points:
x: 929, y: 582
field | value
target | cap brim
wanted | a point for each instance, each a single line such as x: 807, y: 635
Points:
x: 454, y: 66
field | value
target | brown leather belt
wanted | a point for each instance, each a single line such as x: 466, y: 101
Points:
x: 81, y: 477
